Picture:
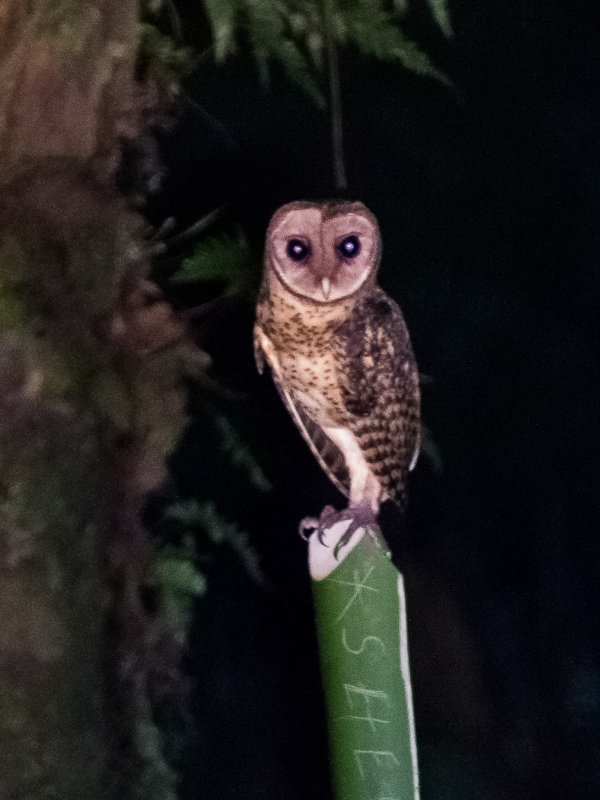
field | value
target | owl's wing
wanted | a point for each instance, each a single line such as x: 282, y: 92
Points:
x: 379, y: 383
x: 259, y: 353
x: 324, y: 450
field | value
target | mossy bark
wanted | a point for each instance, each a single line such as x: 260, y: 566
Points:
x: 52, y: 602
x: 90, y: 404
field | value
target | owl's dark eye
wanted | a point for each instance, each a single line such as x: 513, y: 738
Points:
x: 297, y: 250
x: 349, y: 247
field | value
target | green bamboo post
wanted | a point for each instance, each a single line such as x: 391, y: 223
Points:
x: 361, y: 626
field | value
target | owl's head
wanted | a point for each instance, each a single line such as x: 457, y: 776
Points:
x: 323, y: 252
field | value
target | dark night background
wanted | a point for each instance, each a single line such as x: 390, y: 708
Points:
x: 488, y: 199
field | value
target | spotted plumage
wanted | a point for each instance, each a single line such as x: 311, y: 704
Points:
x: 339, y: 350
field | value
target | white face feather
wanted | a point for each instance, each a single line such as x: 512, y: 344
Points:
x: 323, y: 253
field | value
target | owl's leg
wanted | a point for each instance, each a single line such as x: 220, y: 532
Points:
x: 365, y: 494
x: 360, y: 515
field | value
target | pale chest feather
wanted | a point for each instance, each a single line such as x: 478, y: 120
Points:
x: 301, y: 338
x: 311, y: 380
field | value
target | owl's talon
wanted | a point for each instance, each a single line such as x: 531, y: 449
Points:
x: 321, y: 533
x: 349, y: 533
x: 359, y: 516
x: 307, y: 527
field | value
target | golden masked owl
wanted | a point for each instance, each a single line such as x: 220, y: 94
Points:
x: 340, y: 354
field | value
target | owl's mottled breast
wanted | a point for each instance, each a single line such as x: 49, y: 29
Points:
x: 302, y: 335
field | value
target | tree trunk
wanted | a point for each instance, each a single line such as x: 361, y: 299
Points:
x: 90, y: 403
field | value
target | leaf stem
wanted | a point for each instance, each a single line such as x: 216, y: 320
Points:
x: 337, y: 132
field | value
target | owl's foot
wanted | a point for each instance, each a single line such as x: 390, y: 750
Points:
x: 360, y: 516
x: 308, y: 526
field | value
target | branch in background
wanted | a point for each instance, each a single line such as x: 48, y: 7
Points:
x: 199, y: 227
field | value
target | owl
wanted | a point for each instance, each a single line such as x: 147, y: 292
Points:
x: 340, y: 355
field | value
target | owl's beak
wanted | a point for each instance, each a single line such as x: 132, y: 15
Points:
x: 326, y: 287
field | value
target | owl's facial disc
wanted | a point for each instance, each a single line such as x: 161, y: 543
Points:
x: 348, y: 248
x: 321, y: 253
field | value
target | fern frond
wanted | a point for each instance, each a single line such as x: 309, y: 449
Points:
x: 264, y: 25
x: 373, y: 32
x: 274, y: 32
x: 173, y: 571
x: 193, y: 514
x: 290, y: 33
x: 439, y: 11
x: 222, y: 16
x: 238, y: 453
x: 297, y: 70
x: 161, y: 52
x: 173, y: 575
x: 216, y: 258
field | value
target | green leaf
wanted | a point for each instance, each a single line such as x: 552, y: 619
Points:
x: 373, y: 32
x: 192, y: 513
x: 439, y: 11
x: 184, y: 511
x: 264, y: 24
x: 177, y: 582
x: 410, y: 55
x: 297, y: 70
x: 217, y: 258
x: 173, y: 571
x: 222, y: 20
x: 177, y: 574
x: 291, y: 34
x: 238, y: 452
x: 161, y: 52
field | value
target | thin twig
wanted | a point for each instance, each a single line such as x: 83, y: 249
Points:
x: 198, y: 227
